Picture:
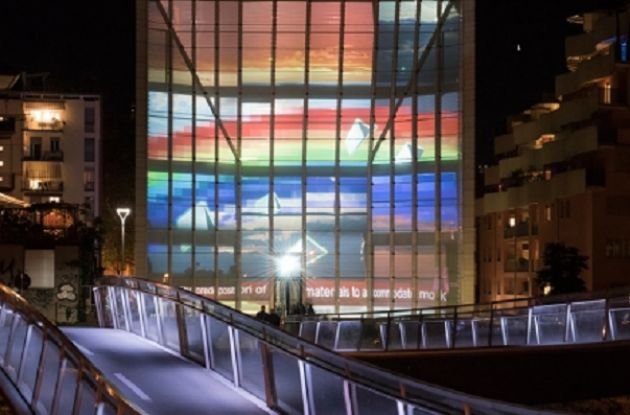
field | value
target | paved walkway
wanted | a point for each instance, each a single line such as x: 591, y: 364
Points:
x: 155, y: 380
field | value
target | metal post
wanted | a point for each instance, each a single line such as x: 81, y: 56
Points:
x: 123, y: 213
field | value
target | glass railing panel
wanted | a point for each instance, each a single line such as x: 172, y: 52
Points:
x: 133, y: 299
x: 194, y: 335
x: 30, y: 362
x: 391, y: 337
x: 326, y: 334
x: 121, y: 316
x: 486, y: 335
x: 348, y: 335
x: 106, y: 407
x: 168, y: 317
x: 619, y: 318
x: 16, y: 347
x: 371, y: 336
x: 308, y: 330
x: 251, y: 374
x: 326, y: 390
x: 6, y: 325
x: 67, y: 388
x: 587, y: 321
x: 465, y: 333
x: 219, y: 342
x: 87, y: 397
x: 514, y: 330
x: 549, y: 324
x: 151, y: 329
x: 292, y: 327
x: 410, y: 334
x: 288, y: 384
x: 101, y: 298
x: 436, y: 334
x: 48, y: 379
x: 370, y: 402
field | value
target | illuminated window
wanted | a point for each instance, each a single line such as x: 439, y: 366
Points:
x: 1, y: 163
x: 54, y: 199
x: 1, y: 148
x: 607, y: 98
x: 88, y: 179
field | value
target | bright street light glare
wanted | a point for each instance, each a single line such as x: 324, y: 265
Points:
x: 288, y: 264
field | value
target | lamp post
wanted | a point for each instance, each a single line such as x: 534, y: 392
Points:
x: 513, y: 227
x: 123, y: 213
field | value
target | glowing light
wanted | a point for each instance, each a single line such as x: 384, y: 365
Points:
x: 288, y: 265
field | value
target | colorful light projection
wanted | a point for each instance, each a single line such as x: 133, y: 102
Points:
x: 301, y: 156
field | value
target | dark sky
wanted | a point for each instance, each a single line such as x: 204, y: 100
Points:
x: 89, y: 47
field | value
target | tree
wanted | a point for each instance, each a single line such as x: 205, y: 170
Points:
x: 562, y: 267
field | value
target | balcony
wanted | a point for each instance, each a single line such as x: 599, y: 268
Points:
x: 520, y: 265
x: 603, y: 29
x: 42, y: 186
x: 569, y: 112
x: 561, y: 185
x: 521, y: 229
x: 46, y: 156
x: 589, y: 71
x: 565, y: 147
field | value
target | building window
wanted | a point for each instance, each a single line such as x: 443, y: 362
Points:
x: 548, y: 213
x: 54, y: 144
x: 54, y: 199
x: 1, y: 148
x: 89, y: 119
x: 88, y: 179
x: 7, y: 124
x: 36, y: 148
x: 88, y: 149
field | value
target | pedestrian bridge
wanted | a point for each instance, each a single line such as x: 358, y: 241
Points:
x: 163, y: 350
x: 578, y: 319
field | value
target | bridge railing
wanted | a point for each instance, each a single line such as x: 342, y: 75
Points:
x: 287, y: 373
x: 42, y: 372
x: 582, y: 318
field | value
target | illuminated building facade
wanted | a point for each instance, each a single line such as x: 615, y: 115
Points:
x: 320, y: 150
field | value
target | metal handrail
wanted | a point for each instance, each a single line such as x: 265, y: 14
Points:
x: 401, y: 388
x: 104, y: 392
x: 494, y: 317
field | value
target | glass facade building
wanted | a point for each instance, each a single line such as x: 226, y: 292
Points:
x: 306, y: 151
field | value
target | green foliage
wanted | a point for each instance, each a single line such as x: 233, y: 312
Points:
x: 562, y: 268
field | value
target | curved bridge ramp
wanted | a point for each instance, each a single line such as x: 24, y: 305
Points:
x: 584, y: 319
x: 162, y: 350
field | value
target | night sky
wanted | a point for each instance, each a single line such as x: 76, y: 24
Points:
x: 89, y: 47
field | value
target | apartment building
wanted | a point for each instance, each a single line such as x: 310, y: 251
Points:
x: 563, y: 171
x: 50, y: 148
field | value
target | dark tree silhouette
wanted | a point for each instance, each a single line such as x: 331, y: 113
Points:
x: 562, y: 268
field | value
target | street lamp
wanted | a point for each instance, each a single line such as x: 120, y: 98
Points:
x: 513, y: 227
x: 122, y: 214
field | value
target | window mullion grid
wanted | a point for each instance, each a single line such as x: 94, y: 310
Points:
x: 217, y: 106
x: 305, y: 106
x: 369, y: 243
x: 392, y: 156
x: 169, y: 82
x: 414, y: 159
x: 272, y: 150
x: 193, y: 134
x: 337, y: 172
x: 438, y: 154
x: 238, y: 185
